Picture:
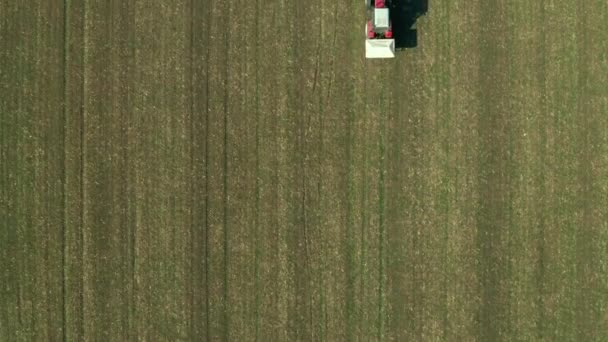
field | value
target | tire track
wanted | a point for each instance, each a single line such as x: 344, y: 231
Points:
x: 200, y: 169
x: 258, y: 175
x: 226, y: 315
x: 217, y: 174
x: 526, y: 173
x: 64, y: 195
x: 242, y: 166
x: 494, y: 215
x: 588, y: 133
x: 193, y: 184
x: 541, y: 278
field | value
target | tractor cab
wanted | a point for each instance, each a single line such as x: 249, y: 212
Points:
x: 381, y: 23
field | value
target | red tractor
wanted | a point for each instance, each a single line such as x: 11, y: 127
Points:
x: 379, y: 42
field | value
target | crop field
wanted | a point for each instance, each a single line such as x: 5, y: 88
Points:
x: 237, y: 170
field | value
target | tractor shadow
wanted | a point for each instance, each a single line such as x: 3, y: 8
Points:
x: 405, y: 13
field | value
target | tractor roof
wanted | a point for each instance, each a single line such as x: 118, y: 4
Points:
x: 381, y: 18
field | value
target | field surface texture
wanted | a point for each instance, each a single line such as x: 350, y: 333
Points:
x: 236, y: 170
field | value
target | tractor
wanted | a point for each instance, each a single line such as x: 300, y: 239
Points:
x: 379, y: 31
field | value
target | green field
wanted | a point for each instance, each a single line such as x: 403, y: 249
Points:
x: 236, y: 170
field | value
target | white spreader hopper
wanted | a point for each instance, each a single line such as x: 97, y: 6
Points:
x: 380, y: 48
